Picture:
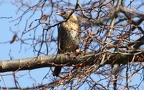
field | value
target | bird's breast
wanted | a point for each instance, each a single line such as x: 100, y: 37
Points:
x: 73, y: 33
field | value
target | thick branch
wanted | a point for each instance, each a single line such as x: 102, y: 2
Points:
x: 64, y: 60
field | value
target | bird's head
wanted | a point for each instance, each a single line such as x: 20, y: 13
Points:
x: 67, y: 14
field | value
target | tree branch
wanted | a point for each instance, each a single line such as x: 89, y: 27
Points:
x: 65, y: 60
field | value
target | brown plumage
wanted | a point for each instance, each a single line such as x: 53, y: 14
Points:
x: 68, y: 36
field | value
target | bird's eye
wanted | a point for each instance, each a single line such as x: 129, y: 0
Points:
x: 64, y: 13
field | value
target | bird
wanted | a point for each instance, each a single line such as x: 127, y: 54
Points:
x: 68, y: 35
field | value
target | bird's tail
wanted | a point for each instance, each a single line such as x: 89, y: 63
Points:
x: 57, y: 71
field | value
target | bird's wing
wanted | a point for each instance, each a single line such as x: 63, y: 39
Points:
x: 61, y: 39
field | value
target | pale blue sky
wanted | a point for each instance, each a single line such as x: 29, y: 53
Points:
x: 9, y: 10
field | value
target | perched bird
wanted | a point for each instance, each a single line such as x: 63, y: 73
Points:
x: 68, y: 35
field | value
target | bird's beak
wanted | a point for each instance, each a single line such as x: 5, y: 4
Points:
x: 58, y: 13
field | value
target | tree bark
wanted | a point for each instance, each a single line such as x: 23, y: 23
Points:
x: 65, y: 60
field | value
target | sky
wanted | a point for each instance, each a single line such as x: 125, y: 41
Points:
x: 14, y: 51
